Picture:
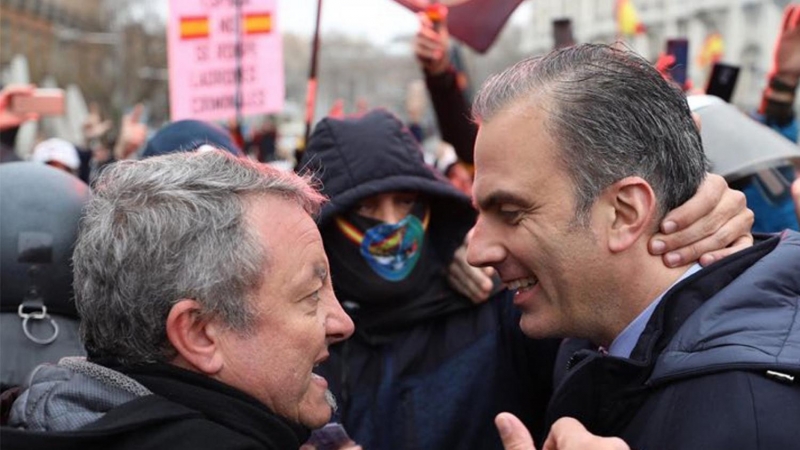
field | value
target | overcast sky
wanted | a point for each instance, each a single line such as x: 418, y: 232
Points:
x: 376, y: 20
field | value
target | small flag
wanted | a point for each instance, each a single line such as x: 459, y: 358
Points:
x: 712, y: 51
x: 628, y: 23
x: 256, y: 23
x: 194, y: 27
x: 474, y: 22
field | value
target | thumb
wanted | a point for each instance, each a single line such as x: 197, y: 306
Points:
x: 136, y: 113
x: 513, y: 432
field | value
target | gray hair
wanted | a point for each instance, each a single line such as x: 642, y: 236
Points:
x: 612, y: 115
x: 168, y: 228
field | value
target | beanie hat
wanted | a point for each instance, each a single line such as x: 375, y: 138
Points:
x: 187, y: 136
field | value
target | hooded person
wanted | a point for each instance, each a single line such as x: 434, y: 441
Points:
x: 426, y: 368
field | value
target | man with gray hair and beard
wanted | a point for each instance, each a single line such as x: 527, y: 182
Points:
x: 578, y: 156
x: 206, y: 303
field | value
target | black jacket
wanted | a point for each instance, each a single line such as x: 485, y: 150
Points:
x: 717, y: 367
x: 184, y: 410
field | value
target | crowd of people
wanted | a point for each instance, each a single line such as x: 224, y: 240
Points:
x: 579, y: 275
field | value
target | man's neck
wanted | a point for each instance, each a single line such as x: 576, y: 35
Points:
x: 641, y: 282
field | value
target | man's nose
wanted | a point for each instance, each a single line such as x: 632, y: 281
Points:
x: 481, y: 249
x: 389, y: 213
x: 338, y: 325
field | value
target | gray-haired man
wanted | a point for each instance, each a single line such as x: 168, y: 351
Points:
x: 206, y: 303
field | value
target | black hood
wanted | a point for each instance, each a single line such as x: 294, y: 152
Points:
x: 358, y: 157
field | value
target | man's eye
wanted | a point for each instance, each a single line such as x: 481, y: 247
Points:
x: 509, y: 213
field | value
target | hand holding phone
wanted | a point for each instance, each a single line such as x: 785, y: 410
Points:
x: 562, y: 33
x: 44, y: 102
x: 722, y: 81
x: 9, y: 119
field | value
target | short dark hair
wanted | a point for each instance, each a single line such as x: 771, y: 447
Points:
x: 612, y: 115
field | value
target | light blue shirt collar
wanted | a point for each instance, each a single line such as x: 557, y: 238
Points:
x: 624, y: 343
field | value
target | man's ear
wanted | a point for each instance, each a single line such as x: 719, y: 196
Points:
x: 194, y: 337
x: 634, y: 205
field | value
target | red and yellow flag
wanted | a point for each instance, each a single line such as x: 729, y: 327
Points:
x: 194, y: 27
x: 628, y: 23
x: 256, y: 23
x: 713, y: 50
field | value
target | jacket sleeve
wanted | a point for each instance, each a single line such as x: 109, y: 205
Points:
x: 452, y: 113
x: 789, y: 130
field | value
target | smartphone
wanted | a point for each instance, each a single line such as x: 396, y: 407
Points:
x: 678, y: 71
x: 562, y: 33
x: 722, y: 81
x: 44, y: 101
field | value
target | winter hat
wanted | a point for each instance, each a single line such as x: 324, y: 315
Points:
x: 187, y: 136
x: 57, y: 150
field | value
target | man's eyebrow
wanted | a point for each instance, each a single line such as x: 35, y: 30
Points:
x: 497, y: 198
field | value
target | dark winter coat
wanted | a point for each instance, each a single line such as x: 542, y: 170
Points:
x: 717, y: 367
x: 82, y: 406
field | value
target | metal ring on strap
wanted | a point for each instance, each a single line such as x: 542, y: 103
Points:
x: 37, y: 316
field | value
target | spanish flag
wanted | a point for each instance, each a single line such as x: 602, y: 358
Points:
x: 256, y: 23
x: 712, y: 51
x: 628, y: 23
x: 194, y: 27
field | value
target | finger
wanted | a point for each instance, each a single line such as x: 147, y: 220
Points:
x: 566, y: 428
x: 742, y: 243
x: 788, y: 17
x: 464, y: 284
x: 786, y: 20
x: 708, y: 195
x: 424, y: 20
x: 513, y: 433
x: 568, y: 433
x: 136, y: 113
x: 427, y: 50
x: 728, y: 210
x: 795, y: 16
x: 481, y: 277
x: 729, y: 233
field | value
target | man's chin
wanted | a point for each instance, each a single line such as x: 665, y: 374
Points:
x: 534, y: 328
x: 323, y: 410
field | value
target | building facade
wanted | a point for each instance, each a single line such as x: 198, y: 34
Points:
x: 748, y: 28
